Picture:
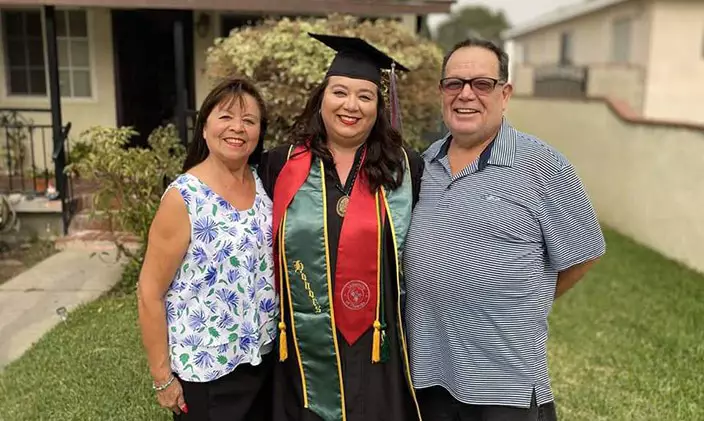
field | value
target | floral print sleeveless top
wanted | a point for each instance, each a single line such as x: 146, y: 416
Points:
x: 221, y: 307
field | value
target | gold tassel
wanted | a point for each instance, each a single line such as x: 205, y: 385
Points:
x: 376, y: 343
x: 283, y: 345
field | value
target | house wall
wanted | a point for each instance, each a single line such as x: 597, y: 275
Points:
x: 644, y: 179
x: 82, y: 113
x: 675, y: 80
x: 100, y: 109
x: 624, y: 82
x: 592, y: 38
x: 201, y: 44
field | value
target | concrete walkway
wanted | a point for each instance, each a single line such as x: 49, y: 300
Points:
x: 29, y: 302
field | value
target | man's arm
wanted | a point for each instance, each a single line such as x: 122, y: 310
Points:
x: 570, y: 276
x: 571, y: 230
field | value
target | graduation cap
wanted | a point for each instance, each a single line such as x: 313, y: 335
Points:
x: 358, y: 59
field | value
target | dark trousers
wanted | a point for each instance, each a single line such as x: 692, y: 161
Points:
x: 243, y: 395
x: 436, y: 404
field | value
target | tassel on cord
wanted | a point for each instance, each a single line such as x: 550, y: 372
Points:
x: 376, y: 342
x: 283, y: 345
x: 376, y: 339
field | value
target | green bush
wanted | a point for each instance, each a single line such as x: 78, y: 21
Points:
x: 286, y: 64
x: 130, y: 180
x: 79, y: 149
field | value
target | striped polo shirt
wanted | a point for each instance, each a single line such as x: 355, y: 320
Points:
x: 481, y: 262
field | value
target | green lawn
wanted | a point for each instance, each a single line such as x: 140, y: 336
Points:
x: 626, y: 344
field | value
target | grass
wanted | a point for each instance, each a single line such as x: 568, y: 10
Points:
x: 626, y: 344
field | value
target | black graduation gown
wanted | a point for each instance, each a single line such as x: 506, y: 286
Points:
x: 373, y: 391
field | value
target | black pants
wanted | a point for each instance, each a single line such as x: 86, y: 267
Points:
x: 436, y: 404
x: 243, y: 395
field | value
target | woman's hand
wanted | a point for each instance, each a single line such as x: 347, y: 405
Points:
x: 172, y: 399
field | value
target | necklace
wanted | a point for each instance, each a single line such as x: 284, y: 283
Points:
x: 344, y: 201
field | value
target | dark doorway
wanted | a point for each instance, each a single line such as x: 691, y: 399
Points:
x: 145, y: 73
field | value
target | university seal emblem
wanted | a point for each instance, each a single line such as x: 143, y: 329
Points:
x: 355, y: 295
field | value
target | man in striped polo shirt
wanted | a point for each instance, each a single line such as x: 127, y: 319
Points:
x: 502, y: 227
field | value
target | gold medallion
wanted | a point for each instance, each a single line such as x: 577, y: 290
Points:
x: 342, y: 205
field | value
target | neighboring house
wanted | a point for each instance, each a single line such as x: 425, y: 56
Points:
x: 648, y: 54
x: 117, y: 60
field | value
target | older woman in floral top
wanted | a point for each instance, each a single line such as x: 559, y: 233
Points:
x: 207, y: 306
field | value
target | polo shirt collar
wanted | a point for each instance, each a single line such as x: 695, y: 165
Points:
x: 500, y: 152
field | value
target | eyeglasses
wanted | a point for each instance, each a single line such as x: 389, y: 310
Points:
x: 480, y: 85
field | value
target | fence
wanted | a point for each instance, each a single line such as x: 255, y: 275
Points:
x: 27, y: 151
x: 560, y: 81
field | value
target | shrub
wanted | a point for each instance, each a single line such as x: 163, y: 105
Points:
x: 130, y: 180
x: 286, y: 64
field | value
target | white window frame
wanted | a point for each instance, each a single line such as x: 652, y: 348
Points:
x: 69, y: 67
x: 34, y: 100
x: 622, y: 40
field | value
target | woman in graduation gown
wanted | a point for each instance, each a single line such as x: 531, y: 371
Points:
x: 343, y: 192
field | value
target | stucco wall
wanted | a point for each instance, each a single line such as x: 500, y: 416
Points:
x: 624, y: 82
x: 675, y: 84
x: 82, y: 113
x: 591, y: 37
x: 645, y: 180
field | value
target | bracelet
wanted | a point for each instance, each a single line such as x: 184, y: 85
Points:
x: 165, y: 385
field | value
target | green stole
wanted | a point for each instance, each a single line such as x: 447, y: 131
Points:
x: 305, y: 276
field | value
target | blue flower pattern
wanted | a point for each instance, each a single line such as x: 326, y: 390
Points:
x: 222, y: 307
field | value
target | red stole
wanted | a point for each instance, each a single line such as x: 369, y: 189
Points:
x: 358, y: 264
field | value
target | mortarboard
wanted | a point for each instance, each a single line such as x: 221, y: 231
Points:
x: 358, y: 59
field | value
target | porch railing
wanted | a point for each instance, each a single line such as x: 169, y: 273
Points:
x: 26, y: 151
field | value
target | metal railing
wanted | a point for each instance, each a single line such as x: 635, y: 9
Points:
x: 561, y: 81
x: 27, y: 151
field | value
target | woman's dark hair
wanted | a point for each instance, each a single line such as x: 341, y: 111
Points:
x: 383, y: 165
x: 227, y: 90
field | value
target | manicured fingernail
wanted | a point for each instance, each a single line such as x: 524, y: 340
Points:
x: 185, y: 409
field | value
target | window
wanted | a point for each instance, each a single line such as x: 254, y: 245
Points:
x: 74, y: 56
x: 24, y: 52
x: 621, y: 41
x: 566, y: 48
x: 524, y: 53
x: 25, y: 61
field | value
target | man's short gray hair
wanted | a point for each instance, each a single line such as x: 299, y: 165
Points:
x: 487, y: 45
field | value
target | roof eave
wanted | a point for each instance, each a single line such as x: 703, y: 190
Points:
x: 557, y: 16
x: 363, y: 7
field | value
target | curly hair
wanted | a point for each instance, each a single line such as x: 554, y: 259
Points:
x: 383, y: 165
x: 227, y: 90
